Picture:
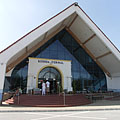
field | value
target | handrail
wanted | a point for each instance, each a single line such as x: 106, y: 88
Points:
x: 18, y: 95
x: 24, y: 88
x: 64, y: 100
x: 15, y: 91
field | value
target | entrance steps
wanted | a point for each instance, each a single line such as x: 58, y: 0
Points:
x: 49, y: 100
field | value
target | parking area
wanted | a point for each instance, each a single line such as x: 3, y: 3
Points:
x: 79, y: 115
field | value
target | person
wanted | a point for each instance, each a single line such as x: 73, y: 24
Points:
x: 48, y: 87
x: 17, y: 92
x: 20, y: 91
x: 43, y: 88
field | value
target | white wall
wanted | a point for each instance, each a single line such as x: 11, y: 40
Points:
x: 113, y: 83
x: 2, y: 78
x: 37, y: 64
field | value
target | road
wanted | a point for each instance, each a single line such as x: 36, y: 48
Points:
x: 75, y: 115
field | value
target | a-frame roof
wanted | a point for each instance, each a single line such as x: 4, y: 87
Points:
x: 83, y: 30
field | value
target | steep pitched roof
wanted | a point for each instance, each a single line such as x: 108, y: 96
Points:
x: 81, y: 27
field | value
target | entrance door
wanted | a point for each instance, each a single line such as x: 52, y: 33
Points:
x: 53, y: 76
x: 53, y: 86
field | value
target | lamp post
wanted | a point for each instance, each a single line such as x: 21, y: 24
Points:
x: 59, y: 87
x: 54, y: 85
x: 68, y: 77
x: 31, y: 84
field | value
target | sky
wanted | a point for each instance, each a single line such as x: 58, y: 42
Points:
x: 18, y: 17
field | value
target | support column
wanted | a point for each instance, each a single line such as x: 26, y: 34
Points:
x: 2, y: 78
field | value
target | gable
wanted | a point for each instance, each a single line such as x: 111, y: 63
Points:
x: 82, y: 29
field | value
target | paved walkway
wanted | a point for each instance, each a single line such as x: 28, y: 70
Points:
x: 97, y: 105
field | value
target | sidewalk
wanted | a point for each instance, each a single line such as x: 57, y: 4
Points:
x: 98, y: 105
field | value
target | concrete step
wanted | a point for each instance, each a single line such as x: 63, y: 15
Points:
x: 49, y: 100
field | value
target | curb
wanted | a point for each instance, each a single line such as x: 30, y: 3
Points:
x: 64, y: 110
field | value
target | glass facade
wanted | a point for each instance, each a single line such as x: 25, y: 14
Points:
x: 86, y: 74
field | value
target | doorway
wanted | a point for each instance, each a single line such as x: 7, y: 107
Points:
x: 52, y: 75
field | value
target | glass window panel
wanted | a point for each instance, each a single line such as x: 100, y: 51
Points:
x: 61, y: 55
x: 75, y: 67
x: 45, y: 54
x: 53, y: 54
x: 76, y: 75
x: 53, y: 46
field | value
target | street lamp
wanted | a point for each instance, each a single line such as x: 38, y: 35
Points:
x: 68, y: 77
x: 59, y: 87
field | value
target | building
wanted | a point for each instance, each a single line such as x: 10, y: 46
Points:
x: 69, y: 50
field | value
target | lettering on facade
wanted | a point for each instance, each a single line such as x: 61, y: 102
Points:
x: 43, y: 61
x: 51, y: 62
